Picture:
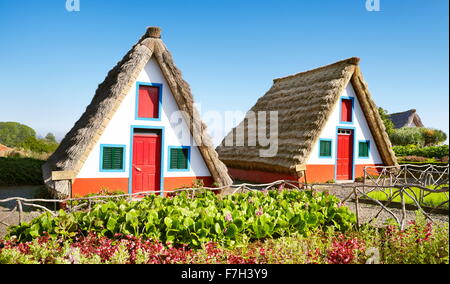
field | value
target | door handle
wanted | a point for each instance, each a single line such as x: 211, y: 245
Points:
x: 138, y: 169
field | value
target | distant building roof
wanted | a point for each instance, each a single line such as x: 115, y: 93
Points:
x: 408, y: 118
x: 4, y: 148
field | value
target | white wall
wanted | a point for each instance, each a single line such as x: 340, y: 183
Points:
x: 362, y: 132
x: 119, y: 132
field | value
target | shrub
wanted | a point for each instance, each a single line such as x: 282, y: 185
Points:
x: 39, y: 145
x: 20, y: 171
x: 407, y: 136
x: 422, y: 137
x: 437, y: 152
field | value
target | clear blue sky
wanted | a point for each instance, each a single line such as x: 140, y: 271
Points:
x: 229, y: 51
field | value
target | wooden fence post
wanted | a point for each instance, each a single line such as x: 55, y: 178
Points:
x: 357, y: 206
x: 19, y: 205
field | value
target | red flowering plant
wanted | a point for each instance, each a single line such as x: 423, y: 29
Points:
x: 345, y: 251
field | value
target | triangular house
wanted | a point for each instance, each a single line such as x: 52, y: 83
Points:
x: 327, y: 125
x: 132, y: 136
x: 408, y: 118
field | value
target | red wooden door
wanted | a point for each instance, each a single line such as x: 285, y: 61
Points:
x: 146, y: 163
x: 345, y: 154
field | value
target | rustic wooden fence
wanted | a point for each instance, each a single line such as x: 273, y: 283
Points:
x: 392, y: 181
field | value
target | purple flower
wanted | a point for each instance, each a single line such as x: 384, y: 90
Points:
x: 228, y: 217
x: 259, y: 212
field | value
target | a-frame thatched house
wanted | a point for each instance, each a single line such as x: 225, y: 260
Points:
x: 327, y: 124
x: 128, y: 138
x: 408, y: 118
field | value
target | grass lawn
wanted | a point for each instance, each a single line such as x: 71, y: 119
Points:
x: 430, y: 200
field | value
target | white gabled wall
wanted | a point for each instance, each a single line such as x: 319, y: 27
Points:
x: 362, y: 132
x: 119, y: 132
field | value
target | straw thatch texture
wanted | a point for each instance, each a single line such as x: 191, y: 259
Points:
x: 78, y: 143
x: 304, y: 102
x: 408, y: 118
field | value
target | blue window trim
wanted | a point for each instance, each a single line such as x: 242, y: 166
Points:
x: 354, y: 147
x: 352, y: 112
x: 102, y: 146
x: 160, y: 90
x: 331, y: 154
x: 368, y: 149
x: 188, y: 159
x: 130, y: 179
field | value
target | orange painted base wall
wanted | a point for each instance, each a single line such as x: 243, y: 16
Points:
x: 258, y: 176
x: 84, y: 186
x: 314, y: 173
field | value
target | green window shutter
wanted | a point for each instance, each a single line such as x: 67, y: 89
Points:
x: 179, y: 158
x: 364, y: 149
x: 325, y: 148
x: 112, y: 158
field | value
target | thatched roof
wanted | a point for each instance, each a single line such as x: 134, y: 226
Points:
x: 408, y: 118
x: 79, y: 142
x: 304, y: 102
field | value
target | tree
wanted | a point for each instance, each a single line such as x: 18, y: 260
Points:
x: 13, y: 134
x: 388, y: 124
x: 50, y: 137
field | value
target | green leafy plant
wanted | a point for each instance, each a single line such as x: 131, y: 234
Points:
x: 230, y: 220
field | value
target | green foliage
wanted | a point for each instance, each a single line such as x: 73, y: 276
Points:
x: 229, y: 220
x: 50, y: 137
x: 13, y: 134
x: 20, y: 171
x: 422, y: 137
x: 424, y: 198
x: 407, y: 136
x: 437, y: 152
x: 388, y: 124
x: 419, y: 243
x: 433, y: 137
x: 39, y: 145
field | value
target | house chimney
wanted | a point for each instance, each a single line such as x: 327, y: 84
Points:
x: 154, y: 32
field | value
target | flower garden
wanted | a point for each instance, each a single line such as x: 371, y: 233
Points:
x: 276, y: 226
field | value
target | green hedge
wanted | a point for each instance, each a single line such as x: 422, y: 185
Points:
x: 422, y: 163
x: 437, y: 152
x: 20, y: 171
